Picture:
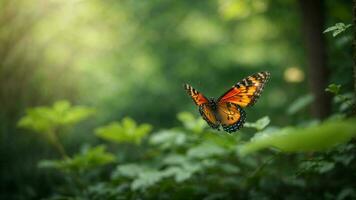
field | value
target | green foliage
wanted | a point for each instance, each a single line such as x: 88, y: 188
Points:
x: 87, y: 159
x: 44, y: 119
x: 337, y: 28
x: 206, y: 150
x: 126, y: 131
x: 333, y: 88
x: 260, y: 124
x: 313, y: 138
x: 167, y: 139
x: 208, y: 164
x: 108, y: 55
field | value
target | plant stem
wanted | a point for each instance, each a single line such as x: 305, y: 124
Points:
x: 56, y: 143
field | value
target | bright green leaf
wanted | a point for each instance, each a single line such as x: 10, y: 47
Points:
x: 314, y: 138
x: 43, y: 119
x: 126, y: 131
x: 337, y: 29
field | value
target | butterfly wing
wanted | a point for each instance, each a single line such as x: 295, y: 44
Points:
x: 231, y: 116
x: 246, y: 92
x: 197, y: 97
x: 209, y: 116
x: 204, y: 107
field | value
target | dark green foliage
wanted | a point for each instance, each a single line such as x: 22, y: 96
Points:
x: 191, y: 160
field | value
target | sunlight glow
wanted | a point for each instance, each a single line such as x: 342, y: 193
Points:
x: 293, y: 75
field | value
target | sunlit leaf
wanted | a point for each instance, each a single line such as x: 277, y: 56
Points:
x: 126, y: 131
x: 337, y: 28
x: 168, y: 139
x: 314, y: 138
x: 43, y: 119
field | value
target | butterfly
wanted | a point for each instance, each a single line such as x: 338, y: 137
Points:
x: 227, y: 111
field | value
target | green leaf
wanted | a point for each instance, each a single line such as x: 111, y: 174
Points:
x: 89, y: 158
x: 146, y: 180
x: 333, y: 88
x: 126, y: 131
x: 300, y: 104
x: 43, y: 119
x: 129, y: 170
x: 167, y: 139
x: 337, y: 29
x: 259, y: 124
x: 314, y: 138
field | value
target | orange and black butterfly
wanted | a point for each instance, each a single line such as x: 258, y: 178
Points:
x: 227, y: 110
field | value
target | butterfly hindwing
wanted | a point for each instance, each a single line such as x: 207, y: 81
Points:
x: 231, y: 116
x: 209, y: 116
x: 246, y: 92
x: 204, y: 107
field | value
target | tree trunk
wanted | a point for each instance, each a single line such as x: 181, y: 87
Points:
x: 318, y: 73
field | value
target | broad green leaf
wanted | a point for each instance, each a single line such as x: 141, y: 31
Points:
x: 314, y: 138
x: 168, y: 139
x: 129, y: 170
x: 147, y: 179
x: 300, y: 103
x: 259, y: 124
x: 337, y: 29
x: 43, y: 119
x: 126, y: 131
x: 87, y: 159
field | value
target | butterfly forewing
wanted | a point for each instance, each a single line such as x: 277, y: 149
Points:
x: 246, y: 92
x: 197, y: 97
x: 204, y: 107
x: 231, y: 116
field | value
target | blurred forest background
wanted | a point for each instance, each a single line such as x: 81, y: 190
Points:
x: 125, y: 63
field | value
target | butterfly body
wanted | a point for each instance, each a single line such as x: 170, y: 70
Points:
x: 227, y: 111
